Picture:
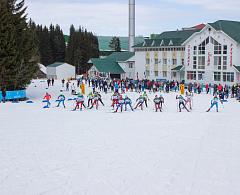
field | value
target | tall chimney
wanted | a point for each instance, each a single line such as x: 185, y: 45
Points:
x: 131, y: 25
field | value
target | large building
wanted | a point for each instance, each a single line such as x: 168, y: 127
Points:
x: 207, y: 55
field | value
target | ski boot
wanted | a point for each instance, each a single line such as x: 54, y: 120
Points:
x: 208, y: 110
x: 57, y: 106
x: 74, y: 109
x: 80, y: 109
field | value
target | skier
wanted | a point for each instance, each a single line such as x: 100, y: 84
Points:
x: 161, y: 101
x: 140, y: 102
x: 48, y: 96
x: 100, y: 98
x: 145, y: 97
x: 214, y: 102
x: 80, y: 100
x: 95, y: 97
x: 189, y: 99
x: 63, y: 82
x: 120, y: 103
x: 181, y: 102
x: 114, y: 98
x: 128, y: 101
x: 156, y: 100
x: 61, y: 98
x: 90, y: 98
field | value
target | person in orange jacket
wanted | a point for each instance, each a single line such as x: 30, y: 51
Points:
x: 47, y: 96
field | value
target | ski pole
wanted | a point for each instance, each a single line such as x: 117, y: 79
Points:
x: 165, y: 105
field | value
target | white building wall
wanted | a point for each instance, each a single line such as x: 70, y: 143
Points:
x: 223, y: 39
x: 65, y: 71
x: 51, y: 72
x: 140, y: 63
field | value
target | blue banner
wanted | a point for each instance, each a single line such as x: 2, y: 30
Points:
x: 10, y: 95
x: 162, y: 80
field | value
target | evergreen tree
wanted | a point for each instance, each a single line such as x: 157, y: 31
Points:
x: 71, y: 46
x: 20, y: 69
x: 115, y: 44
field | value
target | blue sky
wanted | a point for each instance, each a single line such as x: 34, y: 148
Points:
x: 110, y: 18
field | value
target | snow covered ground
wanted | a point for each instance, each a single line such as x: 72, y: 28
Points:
x: 95, y: 152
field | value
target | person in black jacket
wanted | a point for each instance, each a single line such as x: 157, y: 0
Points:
x: 4, y: 95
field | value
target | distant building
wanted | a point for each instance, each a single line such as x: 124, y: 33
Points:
x: 207, y: 55
x: 117, y: 65
x: 60, y: 70
x: 42, y: 72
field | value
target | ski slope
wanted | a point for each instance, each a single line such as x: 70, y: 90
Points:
x: 57, y: 151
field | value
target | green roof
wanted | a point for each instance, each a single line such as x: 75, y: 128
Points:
x: 56, y: 64
x: 231, y: 28
x: 66, y: 38
x: 121, y: 56
x: 176, y: 37
x: 177, y: 68
x: 237, y: 67
x: 107, y: 65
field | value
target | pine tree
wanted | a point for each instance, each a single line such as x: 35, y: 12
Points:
x: 115, y: 44
x: 71, y: 46
x: 8, y: 53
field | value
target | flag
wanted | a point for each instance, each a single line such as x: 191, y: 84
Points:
x: 238, y: 78
x: 137, y: 75
x: 103, y: 74
x: 86, y: 73
x: 201, y: 77
x: 191, y: 76
x: 122, y: 75
x: 97, y: 74
x: 144, y: 74
x: 129, y: 74
x: 180, y: 75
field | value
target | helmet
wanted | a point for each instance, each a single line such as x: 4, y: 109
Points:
x: 125, y: 96
x: 61, y: 93
x: 120, y: 95
x: 155, y: 96
x: 160, y: 95
x: 79, y: 94
x: 90, y: 92
x: 46, y: 92
x: 144, y: 91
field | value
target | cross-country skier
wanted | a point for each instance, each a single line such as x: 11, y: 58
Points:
x: 156, y: 100
x: 95, y: 97
x: 161, y: 101
x: 128, y: 101
x: 114, y: 98
x: 120, y: 103
x: 90, y: 98
x: 100, y: 98
x: 181, y: 102
x: 189, y: 99
x: 61, y: 98
x: 214, y: 102
x: 48, y: 96
x: 80, y: 100
x: 140, y: 102
x: 145, y: 97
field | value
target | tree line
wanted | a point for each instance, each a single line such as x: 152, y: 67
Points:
x: 23, y: 44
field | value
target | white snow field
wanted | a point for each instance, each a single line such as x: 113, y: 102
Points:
x: 56, y: 151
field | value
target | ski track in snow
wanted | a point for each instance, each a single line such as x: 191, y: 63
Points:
x: 53, y: 151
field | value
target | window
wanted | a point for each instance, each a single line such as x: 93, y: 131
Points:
x: 200, y: 75
x: 147, y: 73
x: 195, y: 50
x: 155, y: 73
x: 217, y: 76
x: 182, y: 61
x: 224, y: 62
x: 201, y: 62
x: 225, y: 49
x: 174, y: 74
x: 156, y: 61
x: 194, y: 62
x: 130, y: 65
x: 228, y: 77
x: 164, y: 61
x: 164, y: 73
x: 217, y: 62
x: 191, y: 75
x: 201, y: 47
x: 217, y: 47
x: 174, y: 61
x: 147, y: 61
